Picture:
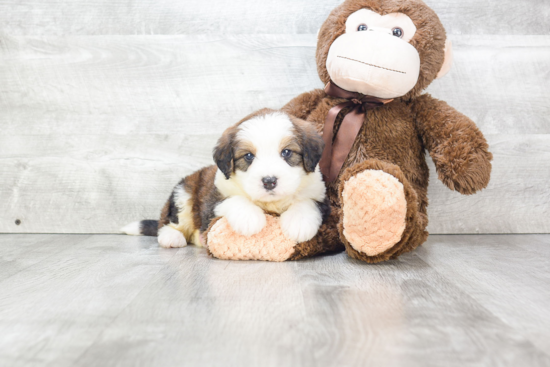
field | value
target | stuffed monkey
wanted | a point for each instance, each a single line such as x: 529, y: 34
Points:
x: 376, y: 57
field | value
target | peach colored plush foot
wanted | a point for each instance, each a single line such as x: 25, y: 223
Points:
x: 374, y: 211
x: 269, y: 245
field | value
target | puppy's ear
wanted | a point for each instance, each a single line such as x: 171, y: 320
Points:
x: 223, y: 152
x: 312, y: 144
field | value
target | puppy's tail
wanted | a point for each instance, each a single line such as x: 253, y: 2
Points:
x: 145, y: 227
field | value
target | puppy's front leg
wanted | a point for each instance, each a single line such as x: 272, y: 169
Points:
x: 243, y: 216
x: 301, y: 221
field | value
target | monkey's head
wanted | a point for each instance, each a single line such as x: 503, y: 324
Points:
x: 383, y: 48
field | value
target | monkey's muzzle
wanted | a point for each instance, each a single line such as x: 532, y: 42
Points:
x: 373, y: 63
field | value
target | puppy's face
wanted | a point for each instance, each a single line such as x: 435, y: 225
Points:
x: 268, y: 154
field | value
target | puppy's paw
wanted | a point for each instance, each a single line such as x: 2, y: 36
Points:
x: 268, y: 245
x: 248, y: 221
x: 169, y: 237
x: 243, y: 216
x: 301, y: 221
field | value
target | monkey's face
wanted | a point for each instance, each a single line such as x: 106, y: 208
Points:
x: 374, y: 56
x: 383, y: 48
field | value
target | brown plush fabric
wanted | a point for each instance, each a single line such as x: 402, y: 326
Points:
x: 458, y: 149
x: 389, y: 134
x: 327, y: 240
x: 394, y: 137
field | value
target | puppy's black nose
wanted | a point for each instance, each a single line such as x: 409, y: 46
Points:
x: 269, y: 182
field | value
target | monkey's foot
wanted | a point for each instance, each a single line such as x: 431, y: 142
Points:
x: 374, y: 211
x: 380, y: 218
x: 270, y: 244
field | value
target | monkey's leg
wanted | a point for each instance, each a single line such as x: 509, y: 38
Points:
x: 327, y: 240
x: 270, y: 244
x: 380, y: 218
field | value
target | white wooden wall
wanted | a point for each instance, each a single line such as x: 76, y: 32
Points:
x: 106, y: 104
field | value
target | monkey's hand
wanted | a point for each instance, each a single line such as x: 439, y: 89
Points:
x: 457, y: 147
x: 244, y: 217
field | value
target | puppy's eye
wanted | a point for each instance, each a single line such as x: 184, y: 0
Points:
x: 362, y: 27
x: 249, y: 157
x: 286, y: 153
x: 397, y: 32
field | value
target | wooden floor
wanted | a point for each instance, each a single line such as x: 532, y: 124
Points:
x: 108, y: 300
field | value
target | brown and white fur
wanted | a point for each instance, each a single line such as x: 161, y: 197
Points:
x: 266, y: 163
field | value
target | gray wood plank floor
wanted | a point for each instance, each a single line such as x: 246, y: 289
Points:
x: 108, y: 300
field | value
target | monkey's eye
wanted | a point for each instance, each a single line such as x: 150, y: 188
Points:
x: 286, y: 153
x: 362, y: 27
x: 249, y: 157
x: 397, y: 32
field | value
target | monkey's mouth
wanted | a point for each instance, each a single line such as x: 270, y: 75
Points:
x: 375, y: 66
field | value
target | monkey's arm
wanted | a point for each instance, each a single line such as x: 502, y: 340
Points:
x: 457, y: 147
x: 302, y: 105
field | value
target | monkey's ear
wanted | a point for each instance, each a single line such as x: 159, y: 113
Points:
x: 223, y: 152
x: 448, y: 62
x: 312, y: 147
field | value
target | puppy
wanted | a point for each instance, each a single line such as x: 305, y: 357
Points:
x: 266, y: 163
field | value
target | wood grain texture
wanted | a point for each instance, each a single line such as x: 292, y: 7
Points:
x: 190, y: 84
x: 93, y: 184
x: 97, y: 130
x: 517, y: 199
x: 19, y: 253
x: 121, y: 301
x: 147, y: 84
x: 131, y: 17
x: 66, y: 300
x: 501, y: 286
x: 83, y: 184
x: 500, y: 83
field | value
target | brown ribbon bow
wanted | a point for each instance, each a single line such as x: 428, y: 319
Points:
x: 335, y: 153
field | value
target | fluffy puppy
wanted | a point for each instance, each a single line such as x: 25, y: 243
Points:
x: 266, y: 163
